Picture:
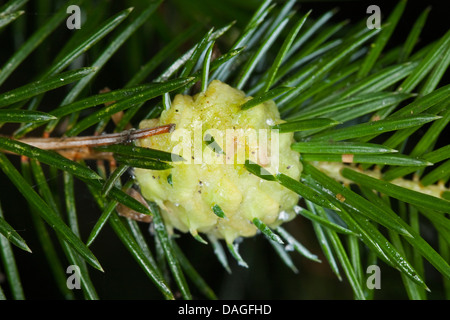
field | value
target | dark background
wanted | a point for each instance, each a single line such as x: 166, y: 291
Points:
x: 267, y: 277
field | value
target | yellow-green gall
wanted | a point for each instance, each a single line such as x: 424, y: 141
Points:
x: 213, y: 173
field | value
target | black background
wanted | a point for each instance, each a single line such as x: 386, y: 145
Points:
x: 267, y: 277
